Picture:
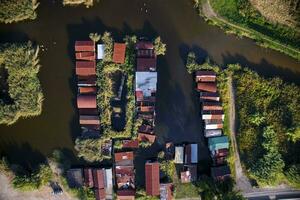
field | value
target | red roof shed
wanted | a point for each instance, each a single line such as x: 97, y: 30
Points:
x: 144, y: 45
x: 152, y: 178
x: 85, y: 46
x: 89, y: 119
x: 124, y: 156
x: 85, y: 68
x: 99, y: 175
x: 212, y: 106
x: 86, y: 101
x: 146, y: 64
x: 88, y: 177
x: 100, y: 194
x: 119, y: 53
x: 85, y: 56
x: 87, y: 90
x: 126, y: 194
x: 205, y: 76
x: 146, y: 137
x: 130, y: 143
x: 207, y: 87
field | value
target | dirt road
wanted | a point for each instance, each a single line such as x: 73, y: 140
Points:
x: 7, y: 192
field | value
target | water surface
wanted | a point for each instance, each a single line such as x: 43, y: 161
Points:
x: 176, y: 21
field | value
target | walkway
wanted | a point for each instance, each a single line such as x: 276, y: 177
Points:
x: 242, y: 181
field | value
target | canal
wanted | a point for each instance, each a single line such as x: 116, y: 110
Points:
x: 29, y: 140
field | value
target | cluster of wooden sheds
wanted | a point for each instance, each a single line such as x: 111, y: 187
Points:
x: 99, y: 179
x: 145, y: 90
x: 213, y: 115
x: 187, y: 156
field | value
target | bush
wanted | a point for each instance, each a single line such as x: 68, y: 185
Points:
x: 22, y: 64
x: 17, y: 10
x: 87, y: 3
x: 293, y: 175
x: 159, y: 47
x: 33, y: 181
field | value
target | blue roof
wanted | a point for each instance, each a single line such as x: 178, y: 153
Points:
x: 216, y: 143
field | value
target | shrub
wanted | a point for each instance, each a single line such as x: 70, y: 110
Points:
x: 159, y: 47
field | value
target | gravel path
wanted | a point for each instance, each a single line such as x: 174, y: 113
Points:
x: 7, y: 192
x: 242, y: 181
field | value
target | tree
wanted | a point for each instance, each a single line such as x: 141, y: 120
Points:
x: 191, y: 63
x: 268, y: 169
x: 159, y: 47
x: 95, y: 37
x: 108, y: 43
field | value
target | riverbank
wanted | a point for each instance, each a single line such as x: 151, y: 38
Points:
x: 277, y: 37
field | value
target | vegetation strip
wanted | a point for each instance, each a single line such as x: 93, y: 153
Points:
x: 279, y: 40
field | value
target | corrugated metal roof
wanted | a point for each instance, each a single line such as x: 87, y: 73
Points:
x: 152, y: 178
x: 146, y: 82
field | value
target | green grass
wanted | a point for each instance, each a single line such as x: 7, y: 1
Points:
x: 241, y: 13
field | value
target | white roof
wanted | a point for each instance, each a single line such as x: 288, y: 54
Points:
x: 194, y: 153
x: 179, y: 155
x: 100, y: 51
x: 109, y: 183
x: 146, y: 82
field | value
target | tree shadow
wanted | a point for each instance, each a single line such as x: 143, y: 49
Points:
x: 263, y: 68
x: 18, y: 156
